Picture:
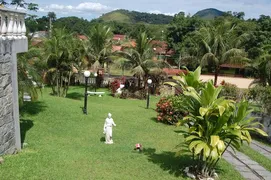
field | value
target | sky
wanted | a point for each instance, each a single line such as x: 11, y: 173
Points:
x: 89, y: 9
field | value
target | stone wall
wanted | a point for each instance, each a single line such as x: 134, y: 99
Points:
x: 7, y: 123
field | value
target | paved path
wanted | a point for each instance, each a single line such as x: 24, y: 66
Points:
x: 261, y: 148
x: 248, y: 168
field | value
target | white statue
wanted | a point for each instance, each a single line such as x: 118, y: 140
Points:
x: 108, y: 129
x: 119, y: 90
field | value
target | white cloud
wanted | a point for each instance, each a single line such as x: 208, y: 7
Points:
x: 159, y: 12
x: 95, y: 7
x: 85, y: 7
x: 155, y: 12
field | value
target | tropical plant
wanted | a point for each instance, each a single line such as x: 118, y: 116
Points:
x: 262, y: 70
x: 62, y: 56
x: 23, y: 4
x: 29, y: 67
x: 168, y: 109
x: 220, y: 44
x: 215, y: 124
x: 229, y: 91
x: 190, y: 79
x: 98, y: 46
x: 140, y: 58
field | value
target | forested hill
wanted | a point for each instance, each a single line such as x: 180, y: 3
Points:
x: 126, y: 16
x: 209, y: 14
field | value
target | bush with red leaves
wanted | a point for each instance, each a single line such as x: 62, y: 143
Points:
x: 114, y: 86
x: 167, y: 113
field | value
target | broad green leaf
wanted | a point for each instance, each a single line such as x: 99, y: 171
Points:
x: 220, y: 146
x: 261, y: 132
x: 203, y: 111
x: 200, y: 147
x: 214, y: 153
x: 221, y: 110
x: 214, y: 140
x: 191, y: 137
x: 193, y: 144
x: 173, y: 84
x: 207, y: 151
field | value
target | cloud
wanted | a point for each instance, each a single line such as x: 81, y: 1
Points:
x: 85, y: 7
x: 159, y: 12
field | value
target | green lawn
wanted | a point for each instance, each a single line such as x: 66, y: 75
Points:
x: 63, y: 143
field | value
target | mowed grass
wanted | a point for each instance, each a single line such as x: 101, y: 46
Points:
x: 63, y: 143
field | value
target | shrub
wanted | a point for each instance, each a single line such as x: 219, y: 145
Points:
x: 169, y: 110
x: 229, y: 91
x: 126, y: 94
x: 166, y: 91
x: 114, y: 86
x: 140, y: 94
x: 262, y: 97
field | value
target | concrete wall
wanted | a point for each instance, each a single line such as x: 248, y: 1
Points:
x: 7, y: 123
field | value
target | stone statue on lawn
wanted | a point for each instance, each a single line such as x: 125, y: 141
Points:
x: 108, y: 126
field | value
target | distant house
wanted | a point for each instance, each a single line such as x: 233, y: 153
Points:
x: 82, y: 37
x: 161, y: 50
x: 174, y: 72
x: 119, y: 37
x: 39, y: 34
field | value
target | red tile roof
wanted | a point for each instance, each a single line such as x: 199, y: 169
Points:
x: 119, y: 37
x: 82, y: 37
x: 161, y: 47
x: 116, y: 48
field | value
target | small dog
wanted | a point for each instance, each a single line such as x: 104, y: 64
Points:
x: 138, y: 147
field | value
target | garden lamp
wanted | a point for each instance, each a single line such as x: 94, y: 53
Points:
x: 95, y: 75
x: 149, y: 81
x: 86, y: 74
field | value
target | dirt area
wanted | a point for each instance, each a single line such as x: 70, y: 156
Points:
x: 240, y: 82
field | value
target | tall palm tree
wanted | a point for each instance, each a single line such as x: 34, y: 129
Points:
x: 219, y: 44
x: 61, y: 56
x: 98, y: 46
x: 140, y: 58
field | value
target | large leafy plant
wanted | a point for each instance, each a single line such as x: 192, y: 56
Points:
x: 190, y: 79
x: 214, y: 125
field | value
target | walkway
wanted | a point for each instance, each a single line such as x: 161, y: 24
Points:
x: 262, y: 149
x: 248, y: 168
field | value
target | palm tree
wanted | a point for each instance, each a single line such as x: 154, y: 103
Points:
x: 262, y: 70
x: 140, y: 58
x: 61, y: 58
x: 19, y: 3
x: 52, y: 17
x: 29, y: 77
x: 98, y: 46
x: 219, y: 44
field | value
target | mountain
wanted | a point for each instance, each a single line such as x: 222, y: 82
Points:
x: 210, y: 13
x: 126, y: 16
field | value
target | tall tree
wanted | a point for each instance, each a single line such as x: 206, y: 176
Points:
x: 61, y: 57
x: 52, y: 17
x: 219, y: 44
x: 140, y: 58
x: 98, y: 46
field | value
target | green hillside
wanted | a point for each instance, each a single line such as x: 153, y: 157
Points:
x: 126, y: 16
x: 210, y: 13
x: 115, y: 16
